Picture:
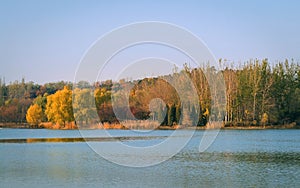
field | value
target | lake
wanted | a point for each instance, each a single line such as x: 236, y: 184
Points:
x: 237, y: 158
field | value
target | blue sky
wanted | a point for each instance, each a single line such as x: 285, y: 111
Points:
x: 44, y: 41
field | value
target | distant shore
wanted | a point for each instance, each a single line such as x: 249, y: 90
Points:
x: 288, y: 126
x: 119, y: 127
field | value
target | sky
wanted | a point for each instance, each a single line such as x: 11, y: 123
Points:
x: 44, y: 41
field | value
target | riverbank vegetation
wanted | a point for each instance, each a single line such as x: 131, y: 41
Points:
x: 258, y: 93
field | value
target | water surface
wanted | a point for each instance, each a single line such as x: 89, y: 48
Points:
x: 237, y: 158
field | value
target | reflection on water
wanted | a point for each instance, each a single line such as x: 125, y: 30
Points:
x: 79, y: 139
x: 236, y: 159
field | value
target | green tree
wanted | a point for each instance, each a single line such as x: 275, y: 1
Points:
x: 178, y: 114
x: 84, y: 106
x: 42, y: 102
x: 172, y: 115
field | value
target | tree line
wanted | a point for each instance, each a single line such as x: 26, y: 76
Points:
x: 257, y: 93
x: 16, y: 97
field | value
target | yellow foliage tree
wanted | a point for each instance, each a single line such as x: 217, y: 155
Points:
x: 34, y: 115
x: 59, y: 107
x: 206, y: 113
x: 264, y: 119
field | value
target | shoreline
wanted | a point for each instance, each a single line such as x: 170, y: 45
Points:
x: 270, y: 127
x: 118, y: 127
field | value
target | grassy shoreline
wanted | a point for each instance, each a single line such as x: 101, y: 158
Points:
x: 121, y: 127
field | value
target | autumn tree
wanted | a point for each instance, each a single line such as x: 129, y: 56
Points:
x: 255, y: 90
x: 34, y: 115
x: 59, y: 107
x: 186, y: 117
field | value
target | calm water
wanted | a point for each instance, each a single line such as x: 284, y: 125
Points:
x: 263, y: 158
